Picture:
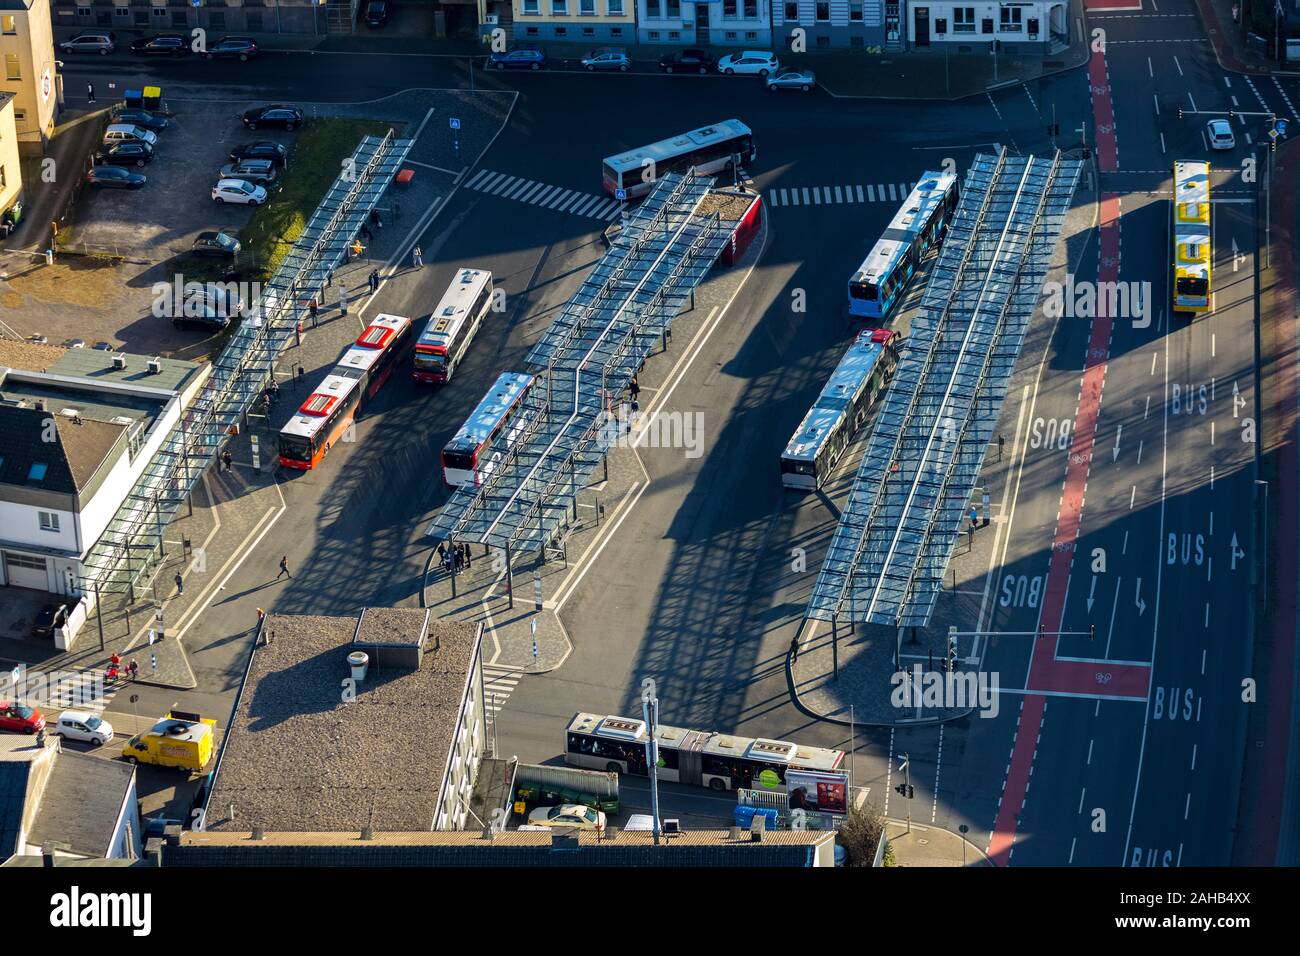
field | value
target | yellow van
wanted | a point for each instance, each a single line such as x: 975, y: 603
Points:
x: 178, y: 740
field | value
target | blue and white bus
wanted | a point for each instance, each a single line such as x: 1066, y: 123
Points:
x: 463, y: 457
x: 840, y: 410
x: 921, y: 223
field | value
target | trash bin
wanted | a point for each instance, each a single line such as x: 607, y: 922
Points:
x: 134, y: 99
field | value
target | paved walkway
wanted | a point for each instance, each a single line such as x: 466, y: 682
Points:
x: 1229, y: 39
x: 931, y: 846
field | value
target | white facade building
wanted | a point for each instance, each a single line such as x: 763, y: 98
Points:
x: 1024, y: 26
x: 734, y: 24
x: 832, y: 23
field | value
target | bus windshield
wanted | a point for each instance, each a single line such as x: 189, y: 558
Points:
x: 1191, y: 285
x: 863, y: 290
x: 295, y: 447
x: 430, y: 360
x: 459, y: 460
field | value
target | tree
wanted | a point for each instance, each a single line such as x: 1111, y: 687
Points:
x: 862, y: 831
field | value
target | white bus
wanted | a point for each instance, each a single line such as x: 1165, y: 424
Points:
x: 840, y: 410
x: 920, y: 223
x: 463, y: 458
x: 1190, y: 227
x: 709, y: 149
x: 452, y: 325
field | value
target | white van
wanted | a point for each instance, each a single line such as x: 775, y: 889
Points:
x: 83, y: 726
x: 124, y: 132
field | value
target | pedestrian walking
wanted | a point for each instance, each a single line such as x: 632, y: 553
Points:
x: 374, y: 280
x: 284, y: 568
x: 974, y: 518
x: 90, y: 92
x: 467, y: 561
x: 134, y: 668
x: 275, y: 391
x: 1002, y: 442
x: 226, y: 460
x: 417, y: 257
x: 442, y: 554
x: 634, y: 388
x: 180, y: 583
x: 357, y: 248
x: 329, y: 276
x: 375, y: 220
x: 313, y: 309
x: 343, y: 299
x: 261, y: 616
x: 460, y: 557
x: 366, y: 233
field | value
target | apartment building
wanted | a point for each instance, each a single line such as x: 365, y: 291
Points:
x: 1021, y: 26
x: 832, y: 24
x: 270, y: 16
x: 597, y: 21
x: 11, y: 179
x: 30, y: 72
x: 725, y: 23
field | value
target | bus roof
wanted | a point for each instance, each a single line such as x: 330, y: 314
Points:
x: 856, y: 366
x: 503, y: 394
x: 917, y: 209
x: 445, y: 321
x: 313, y: 412
x: 676, y: 145
x: 1192, y: 218
x: 372, y: 342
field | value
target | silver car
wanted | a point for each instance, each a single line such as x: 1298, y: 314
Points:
x: 803, y: 80
x: 610, y: 59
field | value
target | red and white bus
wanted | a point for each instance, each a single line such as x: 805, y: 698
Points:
x: 322, y: 419
x: 453, y: 325
x: 463, y: 458
x: 710, y: 149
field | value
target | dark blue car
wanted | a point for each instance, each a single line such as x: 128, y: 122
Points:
x: 520, y: 58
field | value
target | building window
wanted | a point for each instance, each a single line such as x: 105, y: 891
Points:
x: 729, y: 8
x: 751, y: 35
x: 674, y: 34
x: 674, y: 9
x: 654, y: 8
x: 615, y: 8
x: 855, y: 10
x: 589, y: 31
x: 1011, y: 20
x: 12, y: 70
x: 587, y: 8
x: 857, y: 42
x: 823, y: 10
x: 530, y: 31
x: 83, y: 12
x: 751, y: 9
x: 559, y: 8
x: 530, y: 8
x: 49, y: 521
x: 963, y: 20
x: 730, y: 36
x: 653, y: 34
x: 561, y: 31
x: 792, y: 11
x: 20, y: 116
x: 9, y: 26
x: 121, y: 12
x: 616, y: 32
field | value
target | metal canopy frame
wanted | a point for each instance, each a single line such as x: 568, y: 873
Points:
x: 886, y: 559
x: 132, y: 542
x: 583, y: 364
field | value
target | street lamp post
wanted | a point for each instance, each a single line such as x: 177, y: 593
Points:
x: 650, y: 711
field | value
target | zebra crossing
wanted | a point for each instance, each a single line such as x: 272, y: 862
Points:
x: 498, y: 684
x: 838, y: 195
x: 541, y: 194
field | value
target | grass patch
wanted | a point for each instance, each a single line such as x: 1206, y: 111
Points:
x: 315, y: 161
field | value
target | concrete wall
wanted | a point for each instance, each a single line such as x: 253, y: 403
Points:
x: 36, y: 89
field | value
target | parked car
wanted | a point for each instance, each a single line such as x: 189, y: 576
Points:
x: 114, y: 177
x: 520, y: 58
x: 216, y: 244
x: 1219, y: 133
x: 378, y: 12
x: 275, y: 152
x: 607, y: 59
x: 693, y: 61
x: 19, y: 718
x: 145, y: 119
x: 205, y: 322
x: 239, y: 192
x: 162, y: 44
x: 803, y: 80
x: 260, y: 172
x: 568, y: 816
x: 124, y: 132
x: 286, y: 117
x: 233, y: 48
x: 212, y: 301
x: 102, y: 42
x: 133, y: 152
x: 751, y: 61
x: 51, y: 617
x: 84, y: 727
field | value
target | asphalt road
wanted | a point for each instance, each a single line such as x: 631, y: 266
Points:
x: 697, y: 592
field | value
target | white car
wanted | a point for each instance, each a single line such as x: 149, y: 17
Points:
x: 568, y: 816
x: 1219, y: 133
x: 755, y: 62
x: 239, y: 191
x: 85, y: 727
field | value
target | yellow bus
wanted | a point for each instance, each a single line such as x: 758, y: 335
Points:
x: 1190, y: 231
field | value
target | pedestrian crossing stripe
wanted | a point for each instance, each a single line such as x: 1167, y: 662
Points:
x: 839, y: 195
x: 498, y: 684
x: 544, y: 195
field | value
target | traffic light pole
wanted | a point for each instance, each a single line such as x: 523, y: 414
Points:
x: 907, y: 782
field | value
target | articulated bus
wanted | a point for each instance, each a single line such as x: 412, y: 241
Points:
x: 920, y: 223
x: 840, y: 409
x: 462, y: 457
x: 327, y: 412
x: 1190, y: 231
x: 696, y: 757
x: 709, y: 149
x: 453, y: 325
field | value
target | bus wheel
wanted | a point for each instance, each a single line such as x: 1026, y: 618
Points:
x: 717, y: 784
x: 612, y: 767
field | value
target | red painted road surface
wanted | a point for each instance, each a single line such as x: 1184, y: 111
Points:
x: 1105, y: 5
x: 1103, y: 113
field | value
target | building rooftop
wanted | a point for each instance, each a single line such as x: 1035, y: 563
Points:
x: 298, y: 756
x: 28, y: 458
x: 398, y: 626
x: 783, y: 848
x: 81, y: 803
x: 96, y: 365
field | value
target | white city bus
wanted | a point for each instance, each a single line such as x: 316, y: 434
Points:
x: 921, y: 222
x: 463, y: 458
x: 1191, y: 254
x: 452, y: 325
x: 840, y: 410
x: 709, y: 149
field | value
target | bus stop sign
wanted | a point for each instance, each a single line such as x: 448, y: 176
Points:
x: 454, y: 123
x: 620, y: 194
x: 1280, y: 126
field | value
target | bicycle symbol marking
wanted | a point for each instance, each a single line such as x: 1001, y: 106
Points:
x: 1103, y: 678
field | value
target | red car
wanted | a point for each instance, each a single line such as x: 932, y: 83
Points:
x: 20, y: 718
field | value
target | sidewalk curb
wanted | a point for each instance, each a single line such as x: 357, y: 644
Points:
x: 980, y: 854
